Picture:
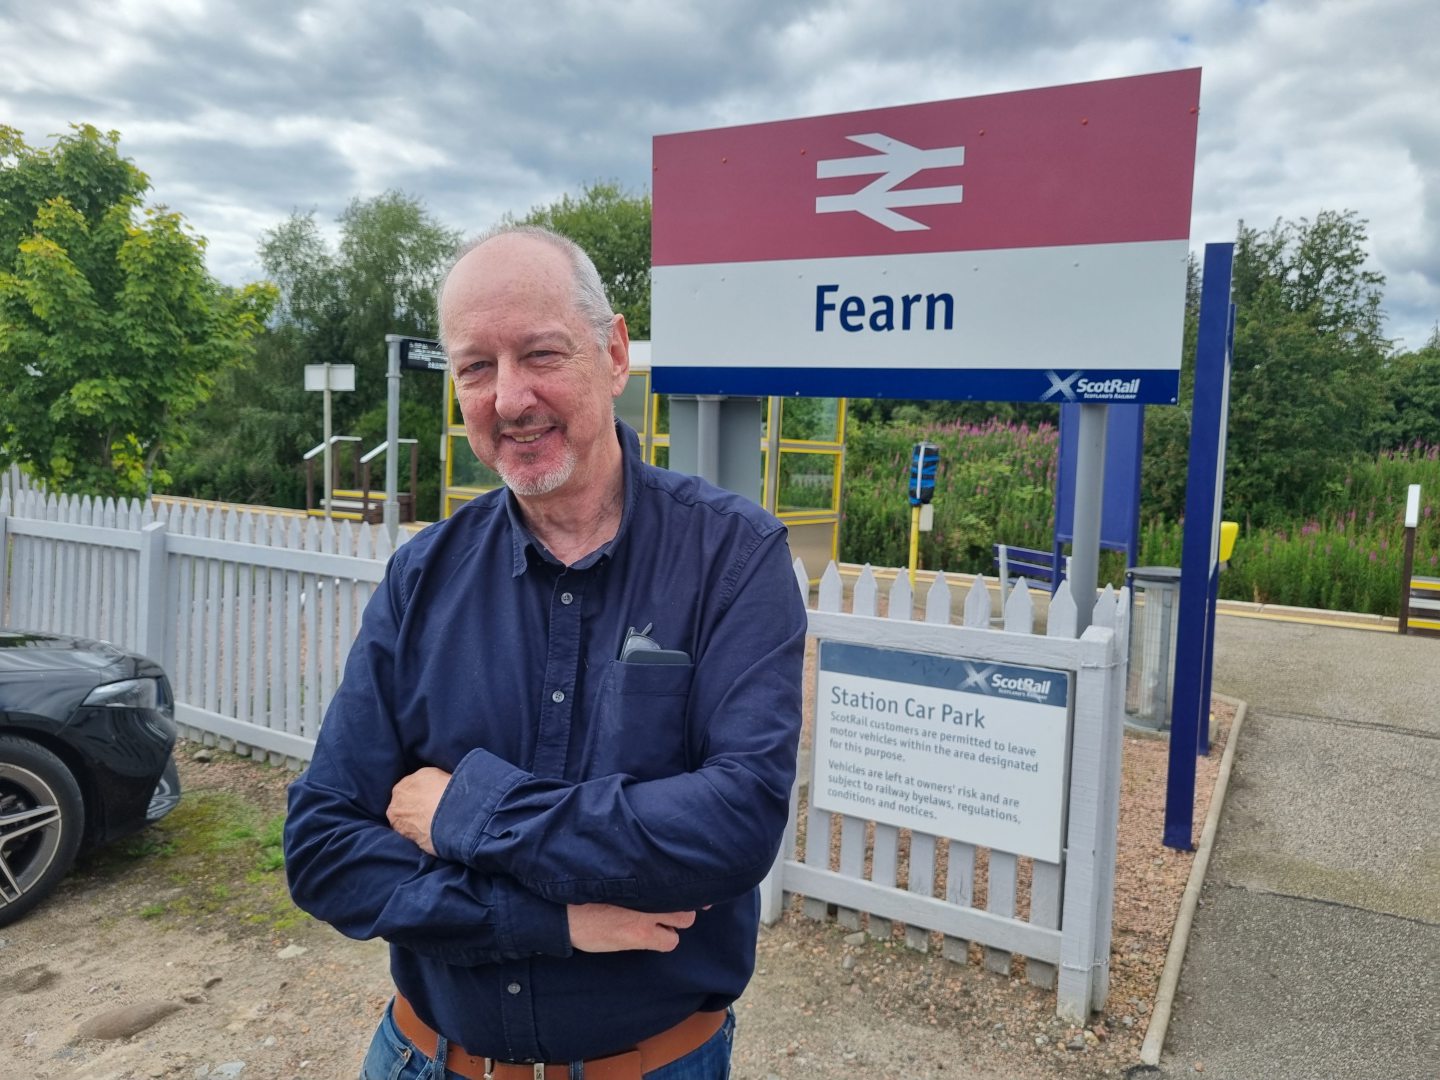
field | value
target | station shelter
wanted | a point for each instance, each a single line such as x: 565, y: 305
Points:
x: 802, y: 457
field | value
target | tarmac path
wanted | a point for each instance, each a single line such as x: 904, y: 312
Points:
x: 1315, y: 954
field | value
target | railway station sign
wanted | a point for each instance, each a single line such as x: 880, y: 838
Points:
x: 1027, y: 246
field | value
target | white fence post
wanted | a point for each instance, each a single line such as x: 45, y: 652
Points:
x: 151, y: 608
x: 1085, y: 866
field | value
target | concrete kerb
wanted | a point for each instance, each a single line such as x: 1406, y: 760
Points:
x: 1170, y: 978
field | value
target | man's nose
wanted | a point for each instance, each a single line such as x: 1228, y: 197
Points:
x: 514, y: 394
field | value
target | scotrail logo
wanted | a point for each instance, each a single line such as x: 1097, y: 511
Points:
x: 1075, y: 387
x: 1025, y: 687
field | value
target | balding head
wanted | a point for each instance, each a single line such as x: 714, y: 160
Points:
x: 589, y: 291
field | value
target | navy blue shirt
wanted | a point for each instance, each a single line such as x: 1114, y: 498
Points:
x: 576, y: 777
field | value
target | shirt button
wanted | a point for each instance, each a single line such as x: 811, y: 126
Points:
x: 558, y: 696
x: 514, y: 988
x: 566, y: 597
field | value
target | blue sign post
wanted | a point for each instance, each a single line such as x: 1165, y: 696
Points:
x: 1200, y: 556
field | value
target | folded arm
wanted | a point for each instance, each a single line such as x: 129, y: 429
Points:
x: 678, y: 842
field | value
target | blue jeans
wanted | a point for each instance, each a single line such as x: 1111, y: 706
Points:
x: 394, y: 1057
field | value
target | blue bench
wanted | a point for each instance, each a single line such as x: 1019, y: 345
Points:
x: 1030, y: 563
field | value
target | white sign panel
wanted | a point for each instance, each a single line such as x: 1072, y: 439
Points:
x: 965, y: 749
x: 342, y: 376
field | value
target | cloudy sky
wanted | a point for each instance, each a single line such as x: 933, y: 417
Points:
x: 243, y: 112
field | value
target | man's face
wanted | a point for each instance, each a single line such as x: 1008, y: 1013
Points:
x: 535, y: 389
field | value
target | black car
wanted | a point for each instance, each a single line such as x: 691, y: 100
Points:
x: 86, y: 733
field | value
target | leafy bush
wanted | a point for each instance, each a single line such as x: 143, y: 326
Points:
x: 996, y: 483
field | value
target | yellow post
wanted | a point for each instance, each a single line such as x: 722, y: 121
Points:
x: 914, y: 544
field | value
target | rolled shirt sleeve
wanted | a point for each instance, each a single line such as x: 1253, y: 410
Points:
x: 346, y: 865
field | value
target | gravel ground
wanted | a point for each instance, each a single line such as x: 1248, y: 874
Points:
x: 259, y: 992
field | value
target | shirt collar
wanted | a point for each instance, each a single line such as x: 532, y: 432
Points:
x: 521, y: 538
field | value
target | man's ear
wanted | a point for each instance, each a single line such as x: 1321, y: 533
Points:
x: 619, y: 353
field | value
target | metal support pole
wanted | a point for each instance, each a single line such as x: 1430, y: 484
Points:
x: 1089, y: 493
x: 707, y: 438
x: 329, y: 469
x: 1407, y: 568
x: 392, y: 437
x: 1190, y: 703
x: 914, y: 544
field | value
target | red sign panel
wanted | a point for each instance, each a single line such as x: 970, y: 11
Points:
x: 1092, y: 163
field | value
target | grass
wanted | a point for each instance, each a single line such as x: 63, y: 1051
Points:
x: 221, y: 858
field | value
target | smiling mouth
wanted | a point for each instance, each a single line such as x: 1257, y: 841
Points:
x: 526, y: 438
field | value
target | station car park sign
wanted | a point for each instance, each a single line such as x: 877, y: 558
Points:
x: 968, y: 749
x: 1028, y: 246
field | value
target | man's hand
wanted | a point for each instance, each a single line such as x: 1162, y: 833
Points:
x: 412, y: 804
x: 597, y: 928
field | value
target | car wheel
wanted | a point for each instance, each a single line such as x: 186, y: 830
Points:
x: 42, y: 817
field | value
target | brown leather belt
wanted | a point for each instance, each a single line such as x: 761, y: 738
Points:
x: 647, y: 1055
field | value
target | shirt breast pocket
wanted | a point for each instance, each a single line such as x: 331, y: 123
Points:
x: 640, y: 722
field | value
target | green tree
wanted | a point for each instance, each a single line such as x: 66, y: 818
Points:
x: 613, y: 227
x: 1309, y: 357
x: 112, y: 333
x: 336, y: 304
x: 1412, y: 392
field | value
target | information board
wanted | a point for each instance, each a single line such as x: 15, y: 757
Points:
x: 422, y: 354
x: 965, y: 749
x: 1029, y: 246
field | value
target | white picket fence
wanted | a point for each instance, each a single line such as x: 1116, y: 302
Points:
x: 252, y: 615
x: 1071, y: 903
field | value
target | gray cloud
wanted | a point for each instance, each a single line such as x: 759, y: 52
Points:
x: 242, y: 112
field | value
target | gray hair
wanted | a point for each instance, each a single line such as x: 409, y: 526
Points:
x: 590, y: 299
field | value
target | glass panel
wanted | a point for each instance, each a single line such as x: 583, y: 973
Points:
x: 466, y: 469
x: 662, y: 414
x: 630, y: 405
x: 455, y: 417
x: 814, y: 419
x: 807, y: 481
x: 660, y: 455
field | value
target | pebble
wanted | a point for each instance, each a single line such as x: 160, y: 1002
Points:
x: 290, y: 952
x: 1077, y: 1043
x: 127, y: 1020
x: 204, y: 754
x: 848, y: 963
x: 1042, y: 1041
x: 857, y: 938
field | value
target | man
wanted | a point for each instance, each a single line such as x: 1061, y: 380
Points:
x: 561, y: 756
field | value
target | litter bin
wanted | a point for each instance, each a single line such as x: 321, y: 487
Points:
x: 1154, y: 624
